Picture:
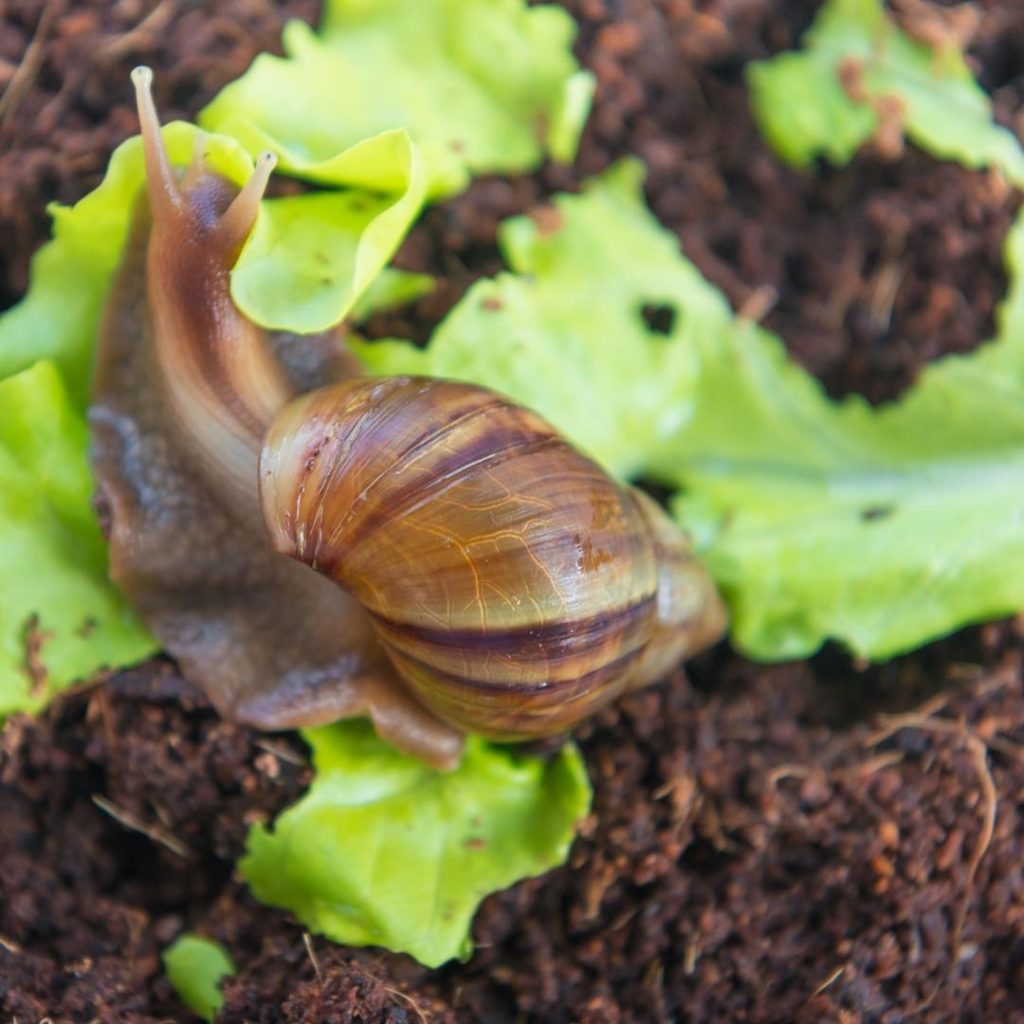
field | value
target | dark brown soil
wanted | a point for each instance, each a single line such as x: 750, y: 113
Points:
x: 758, y: 850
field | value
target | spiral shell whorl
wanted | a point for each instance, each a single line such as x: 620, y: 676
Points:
x: 512, y: 583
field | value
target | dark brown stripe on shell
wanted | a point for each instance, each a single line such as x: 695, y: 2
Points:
x: 520, y: 712
x: 560, y: 638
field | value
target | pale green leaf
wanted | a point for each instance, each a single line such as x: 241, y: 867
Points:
x: 60, y: 619
x: 195, y: 967
x: 392, y: 289
x: 311, y: 257
x: 385, y: 851
x: 881, y: 528
x: 823, y: 99
x: 481, y: 85
x: 566, y: 333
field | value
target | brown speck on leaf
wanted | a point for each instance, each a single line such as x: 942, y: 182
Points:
x: 88, y: 627
x: 888, y: 140
x: 35, y: 638
x: 475, y: 843
x: 549, y: 220
x: 851, y: 78
x: 491, y: 303
x: 946, y: 30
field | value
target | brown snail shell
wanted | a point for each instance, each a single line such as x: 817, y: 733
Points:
x: 515, y: 587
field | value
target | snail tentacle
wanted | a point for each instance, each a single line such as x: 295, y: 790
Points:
x: 238, y: 220
x: 161, y: 182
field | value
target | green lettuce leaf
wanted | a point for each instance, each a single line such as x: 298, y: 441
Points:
x: 804, y: 110
x: 195, y: 968
x: 481, y: 85
x: 882, y: 528
x: 392, y: 289
x: 311, y: 257
x: 60, y: 619
x: 595, y: 328
x: 385, y: 851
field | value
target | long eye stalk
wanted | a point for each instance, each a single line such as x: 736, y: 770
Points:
x: 164, y: 193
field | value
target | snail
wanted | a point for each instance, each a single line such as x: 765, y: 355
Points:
x: 454, y: 565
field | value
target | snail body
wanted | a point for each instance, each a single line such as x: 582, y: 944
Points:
x: 474, y: 572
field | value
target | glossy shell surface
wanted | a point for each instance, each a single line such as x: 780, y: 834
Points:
x: 511, y: 581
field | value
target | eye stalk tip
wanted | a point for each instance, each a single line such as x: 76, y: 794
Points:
x: 160, y: 180
x: 240, y: 216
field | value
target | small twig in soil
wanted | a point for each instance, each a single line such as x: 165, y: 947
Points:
x: 990, y: 806
x: 307, y: 941
x: 98, y: 710
x: 830, y: 980
x: 789, y: 771
x: 691, y: 954
x: 883, y: 290
x: 892, y: 724
x: 408, y: 999
x: 846, y: 288
x: 134, y: 824
x: 84, y: 686
x: 880, y: 762
x: 25, y: 74
x: 1007, y: 747
x: 966, y: 672
x: 144, y: 33
x: 620, y: 922
x: 283, y: 753
x: 758, y: 304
